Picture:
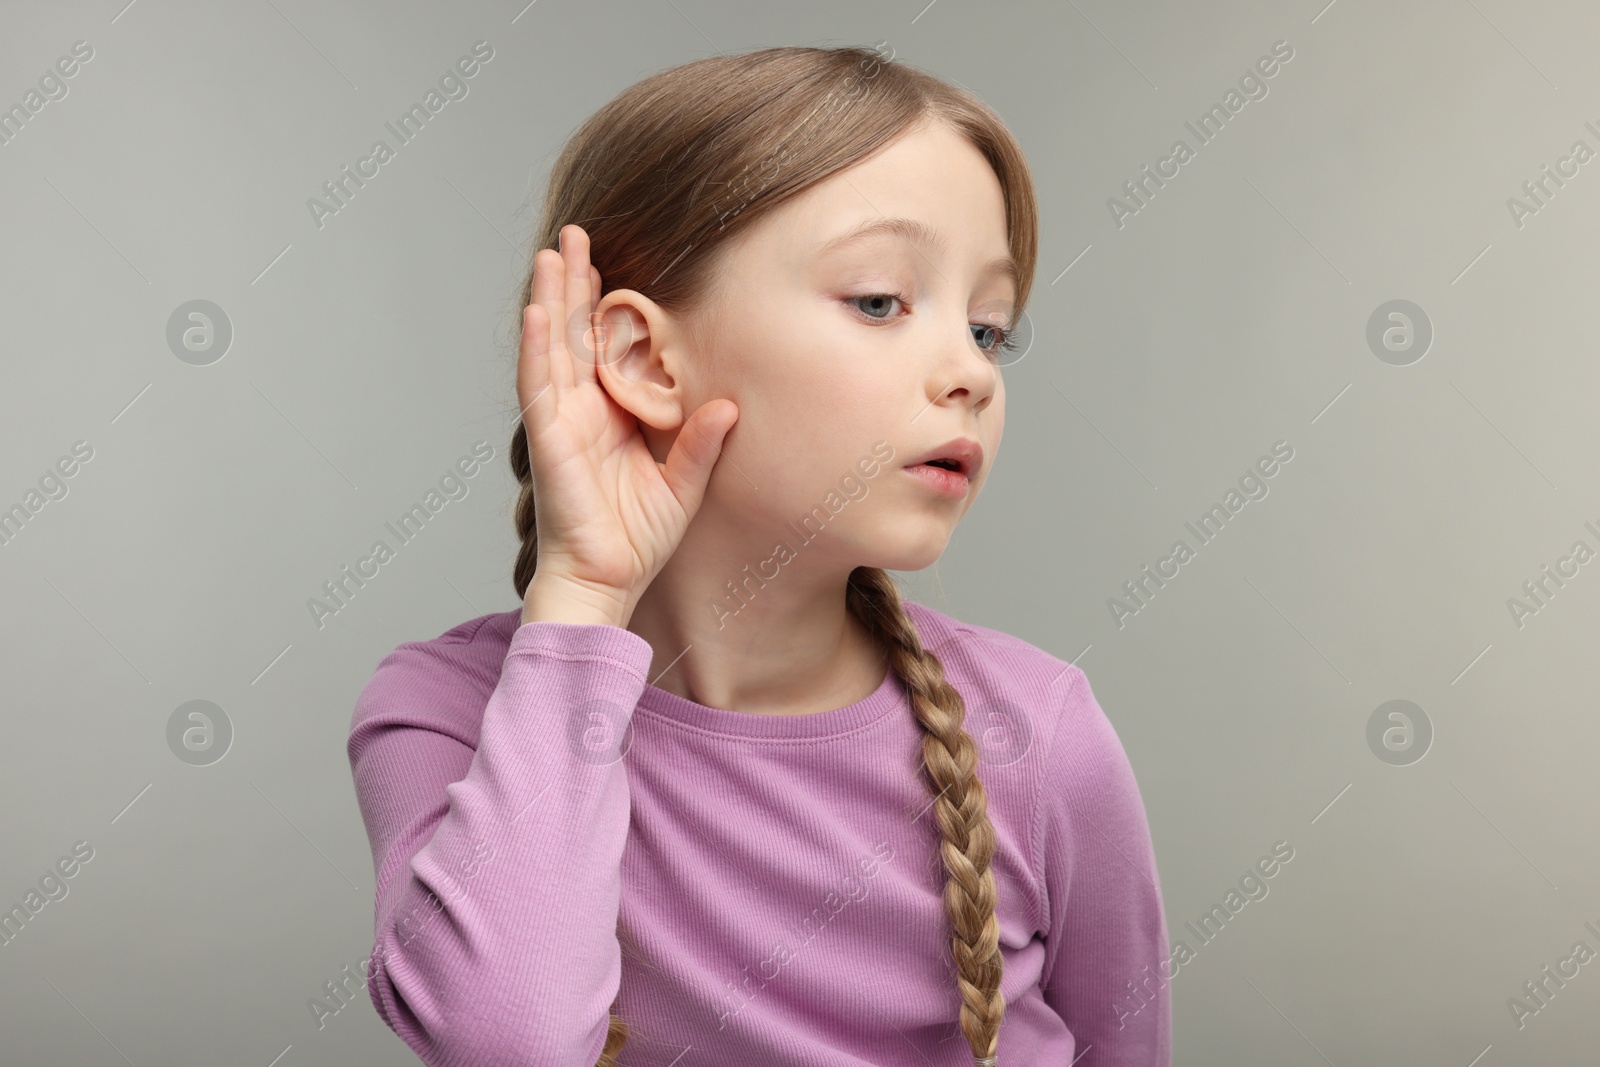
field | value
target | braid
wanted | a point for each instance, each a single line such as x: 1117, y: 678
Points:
x: 522, y: 517
x: 949, y: 755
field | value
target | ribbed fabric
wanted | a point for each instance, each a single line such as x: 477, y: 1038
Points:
x: 780, y: 873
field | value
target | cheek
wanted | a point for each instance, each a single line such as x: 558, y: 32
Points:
x: 796, y: 370
x: 801, y: 447
x: 809, y: 387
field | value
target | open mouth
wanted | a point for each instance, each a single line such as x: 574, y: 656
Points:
x: 941, y: 475
x: 958, y: 459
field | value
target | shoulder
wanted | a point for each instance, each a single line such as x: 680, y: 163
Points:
x: 938, y: 629
x: 1037, y: 713
x: 472, y: 651
x: 441, y: 682
x: 1004, y: 679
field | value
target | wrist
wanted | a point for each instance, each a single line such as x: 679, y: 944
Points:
x: 554, y: 597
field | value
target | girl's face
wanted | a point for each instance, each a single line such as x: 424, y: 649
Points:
x: 850, y: 358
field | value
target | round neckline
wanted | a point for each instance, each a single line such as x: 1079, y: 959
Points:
x: 663, y: 704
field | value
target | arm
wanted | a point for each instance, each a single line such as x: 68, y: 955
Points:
x: 1106, y: 971
x: 497, y: 844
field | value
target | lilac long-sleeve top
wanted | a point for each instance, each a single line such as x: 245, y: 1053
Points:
x: 778, y: 876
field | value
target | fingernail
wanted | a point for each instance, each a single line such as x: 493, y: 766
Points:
x: 558, y: 240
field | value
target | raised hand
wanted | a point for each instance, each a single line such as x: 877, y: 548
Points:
x: 607, y: 515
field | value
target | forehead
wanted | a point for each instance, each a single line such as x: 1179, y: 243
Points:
x: 930, y: 188
x: 920, y: 234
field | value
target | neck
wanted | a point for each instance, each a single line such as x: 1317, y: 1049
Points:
x: 779, y: 640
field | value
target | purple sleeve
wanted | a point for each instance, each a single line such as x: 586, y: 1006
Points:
x: 497, y: 841
x: 1106, y: 971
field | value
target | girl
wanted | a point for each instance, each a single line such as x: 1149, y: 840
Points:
x: 716, y: 795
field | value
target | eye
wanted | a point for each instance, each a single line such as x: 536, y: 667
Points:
x: 878, y: 299
x: 990, y: 339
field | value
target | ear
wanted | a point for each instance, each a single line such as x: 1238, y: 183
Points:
x: 639, y: 359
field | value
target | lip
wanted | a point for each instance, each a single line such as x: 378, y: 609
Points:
x: 947, y: 483
x: 963, y: 451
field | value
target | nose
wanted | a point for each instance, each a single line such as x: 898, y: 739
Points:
x: 962, y: 373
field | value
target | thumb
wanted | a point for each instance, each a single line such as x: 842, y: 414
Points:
x: 696, y: 451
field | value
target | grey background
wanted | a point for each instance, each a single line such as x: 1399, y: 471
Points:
x: 1228, y: 314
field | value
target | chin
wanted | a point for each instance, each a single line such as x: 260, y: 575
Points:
x: 907, y: 555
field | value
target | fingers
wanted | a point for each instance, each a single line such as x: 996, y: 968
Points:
x: 549, y: 294
x: 562, y: 279
x: 533, y: 366
x: 577, y: 289
x: 696, y: 451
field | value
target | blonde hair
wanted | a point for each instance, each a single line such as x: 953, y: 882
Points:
x: 661, y: 178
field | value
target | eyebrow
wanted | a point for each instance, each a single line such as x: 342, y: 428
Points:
x: 918, y: 233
